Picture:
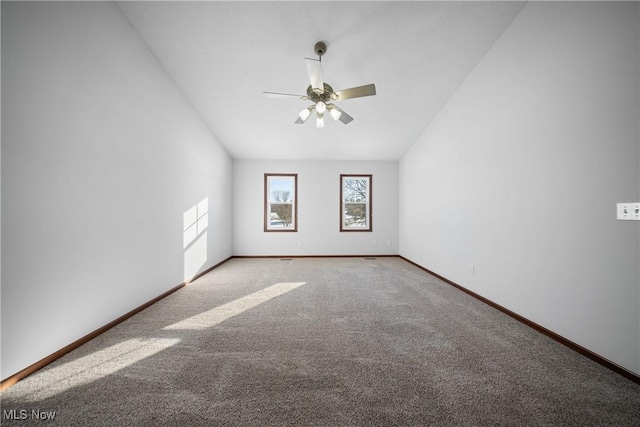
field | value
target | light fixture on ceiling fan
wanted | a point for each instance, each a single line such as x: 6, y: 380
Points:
x: 322, y: 95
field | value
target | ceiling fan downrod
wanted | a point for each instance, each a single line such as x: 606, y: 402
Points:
x: 320, y: 48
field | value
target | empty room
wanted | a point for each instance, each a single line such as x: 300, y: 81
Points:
x: 320, y: 213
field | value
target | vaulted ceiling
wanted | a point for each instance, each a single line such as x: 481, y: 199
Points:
x: 224, y: 55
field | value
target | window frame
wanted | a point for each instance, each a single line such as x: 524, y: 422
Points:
x: 369, y: 204
x: 267, y: 205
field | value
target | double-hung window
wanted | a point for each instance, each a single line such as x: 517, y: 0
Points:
x: 280, y: 202
x: 355, y: 203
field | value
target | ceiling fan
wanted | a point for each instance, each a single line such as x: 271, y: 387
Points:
x: 322, y: 95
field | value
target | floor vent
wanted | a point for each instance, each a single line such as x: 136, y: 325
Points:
x: 370, y: 257
x: 286, y: 259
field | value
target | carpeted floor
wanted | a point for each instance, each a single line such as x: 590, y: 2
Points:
x: 322, y: 342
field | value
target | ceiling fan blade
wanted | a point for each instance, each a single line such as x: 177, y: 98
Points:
x: 283, y: 95
x: 339, y: 114
x: 355, y: 92
x: 314, y: 68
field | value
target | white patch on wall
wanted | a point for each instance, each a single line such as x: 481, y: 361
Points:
x: 195, y: 222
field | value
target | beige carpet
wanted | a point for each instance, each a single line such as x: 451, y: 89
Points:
x: 326, y: 341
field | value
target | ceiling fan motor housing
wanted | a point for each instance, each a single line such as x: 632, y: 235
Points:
x: 324, y: 97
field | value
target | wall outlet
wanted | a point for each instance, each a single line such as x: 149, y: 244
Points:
x: 472, y: 269
x: 628, y: 211
x: 374, y: 243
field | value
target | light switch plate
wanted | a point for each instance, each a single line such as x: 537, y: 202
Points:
x: 628, y: 211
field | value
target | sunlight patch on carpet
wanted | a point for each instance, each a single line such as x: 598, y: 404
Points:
x: 220, y: 314
x: 94, y: 366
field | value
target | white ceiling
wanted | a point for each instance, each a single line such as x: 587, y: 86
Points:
x: 223, y: 55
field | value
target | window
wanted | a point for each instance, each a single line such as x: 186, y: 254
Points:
x: 280, y: 202
x: 355, y: 202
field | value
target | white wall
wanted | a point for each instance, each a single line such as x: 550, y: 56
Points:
x: 101, y: 158
x: 520, y: 173
x: 318, y: 209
